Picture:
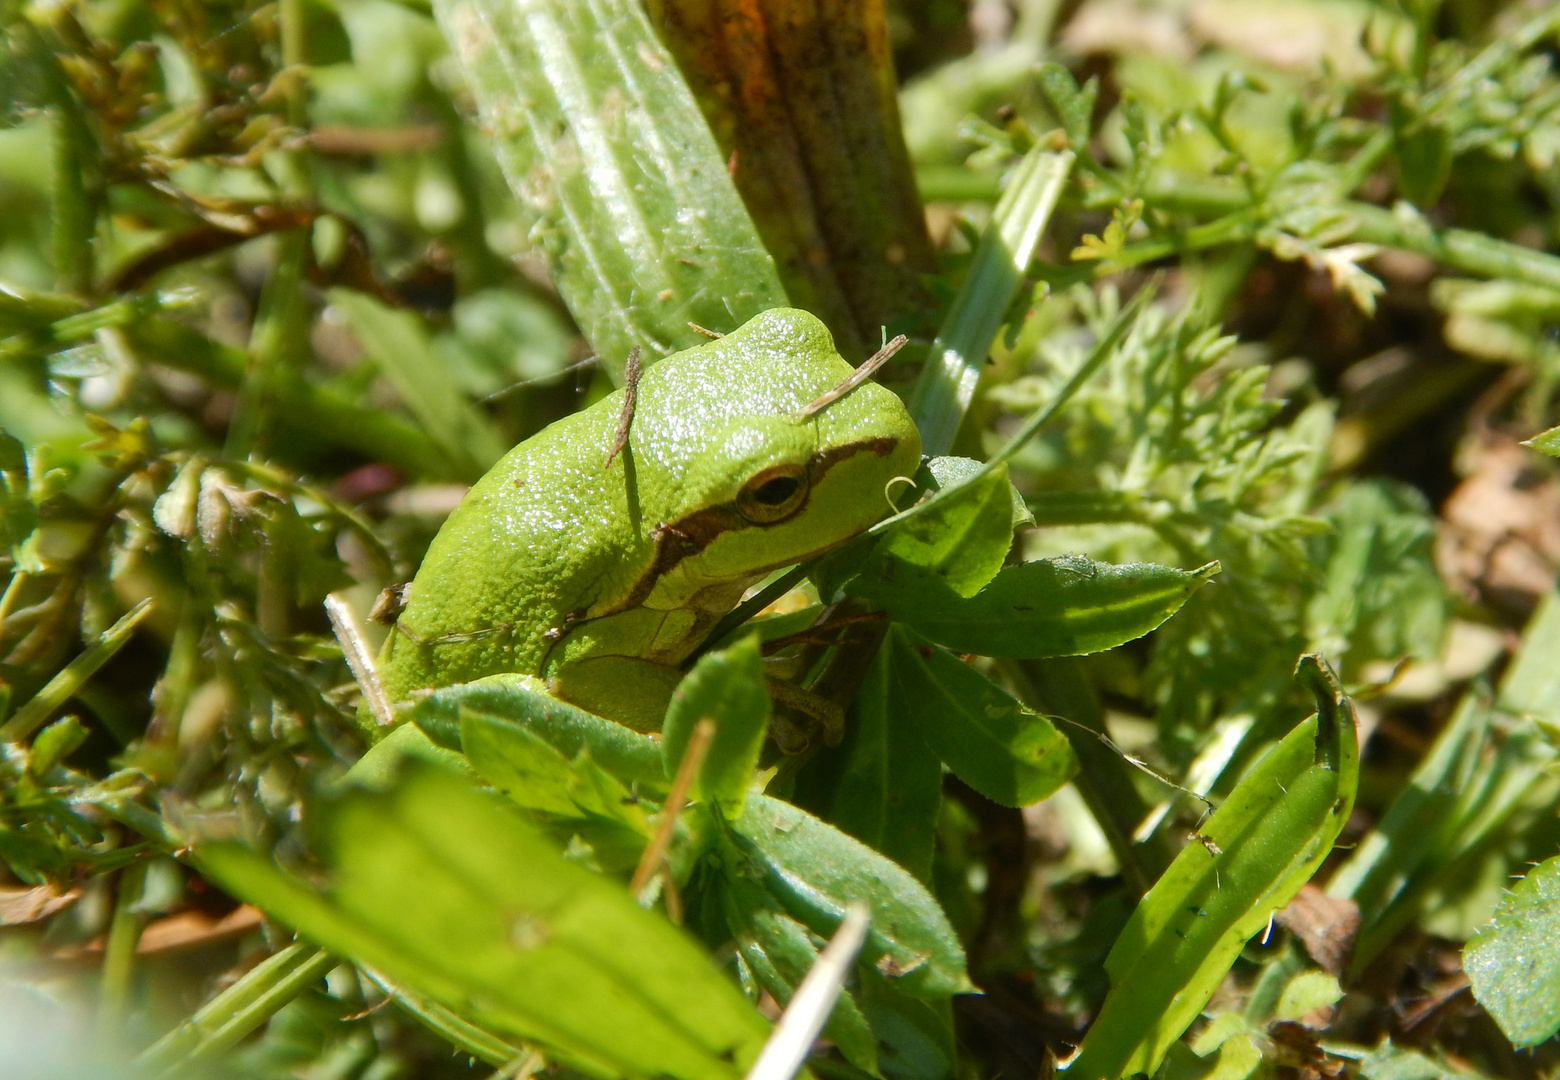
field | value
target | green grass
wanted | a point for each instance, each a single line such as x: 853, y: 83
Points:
x: 1226, y: 322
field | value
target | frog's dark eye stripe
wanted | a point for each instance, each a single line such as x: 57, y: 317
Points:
x: 774, y: 494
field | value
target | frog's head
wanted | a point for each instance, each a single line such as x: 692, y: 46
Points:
x: 738, y: 476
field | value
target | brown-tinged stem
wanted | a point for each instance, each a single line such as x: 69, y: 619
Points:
x: 676, y: 799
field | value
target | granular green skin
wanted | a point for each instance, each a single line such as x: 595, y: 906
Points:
x: 602, y: 577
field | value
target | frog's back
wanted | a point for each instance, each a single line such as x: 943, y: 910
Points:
x: 531, y: 543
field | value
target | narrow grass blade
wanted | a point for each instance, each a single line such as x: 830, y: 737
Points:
x: 1482, y: 770
x: 399, y: 346
x: 1246, y: 863
x: 59, y: 689
x: 947, y: 383
x: 238, y: 1010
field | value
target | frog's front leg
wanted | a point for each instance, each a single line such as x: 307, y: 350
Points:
x: 630, y: 690
x: 826, y: 713
x: 636, y: 693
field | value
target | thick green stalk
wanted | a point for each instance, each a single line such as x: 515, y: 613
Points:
x: 801, y: 98
x: 1470, y: 252
x: 124, y: 933
x: 238, y: 1010
x: 74, y: 208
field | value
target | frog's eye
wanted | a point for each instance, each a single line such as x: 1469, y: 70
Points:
x: 774, y: 494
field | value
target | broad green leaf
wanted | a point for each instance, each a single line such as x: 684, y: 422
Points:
x: 915, y: 1038
x: 1547, y: 442
x: 1067, y: 606
x: 463, y: 1035
x: 585, y: 801
x: 950, y: 470
x: 381, y: 767
x: 1236, y: 1058
x: 963, y: 540
x: 448, y: 891
x: 399, y: 346
x: 883, y: 784
x: 606, y: 149
x: 518, y: 764
x: 813, y: 141
x: 633, y: 758
x: 994, y: 744
x: 781, y: 952
x: 1306, y: 992
x: 832, y: 570
x: 727, y: 687
x: 602, y: 795
x: 815, y: 871
x: 1389, y: 1062
x: 1513, y: 963
x: 1262, y: 844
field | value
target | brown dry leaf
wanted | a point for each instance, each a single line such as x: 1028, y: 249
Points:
x: 20, y: 906
x: 1324, y: 925
x: 1127, y: 27
x: 188, y: 929
x: 1499, y: 539
x: 802, y: 98
x: 185, y: 930
x: 1295, y: 35
x: 1296, y: 1049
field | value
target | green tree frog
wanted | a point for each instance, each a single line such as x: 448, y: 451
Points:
x: 601, y: 574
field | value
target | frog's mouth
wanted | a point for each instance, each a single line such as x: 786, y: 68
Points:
x: 754, y: 550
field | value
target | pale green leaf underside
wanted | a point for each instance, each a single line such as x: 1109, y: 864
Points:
x: 1513, y: 963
